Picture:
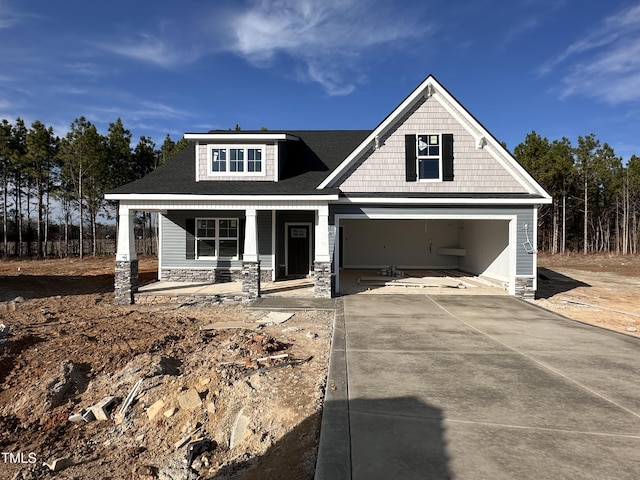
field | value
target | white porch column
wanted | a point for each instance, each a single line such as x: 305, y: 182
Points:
x: 322, y: 235
x: 250, y: 237
x: 250, y: 263
x: 126, y: 272
x: 126, y: 249
x: 322, y: 261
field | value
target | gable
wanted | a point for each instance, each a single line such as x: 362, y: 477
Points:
x: 384, y: 169
x: 469, y: 159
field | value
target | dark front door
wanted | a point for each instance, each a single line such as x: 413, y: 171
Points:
x: 298, y: 249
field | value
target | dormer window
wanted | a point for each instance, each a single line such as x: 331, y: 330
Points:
x: 236, y: 160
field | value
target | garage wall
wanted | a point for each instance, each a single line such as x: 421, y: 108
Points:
x: 487, y: 248
x: 405, y: 243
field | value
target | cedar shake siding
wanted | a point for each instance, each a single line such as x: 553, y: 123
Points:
x: 473, y: 170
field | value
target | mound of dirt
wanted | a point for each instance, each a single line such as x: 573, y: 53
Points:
x: 230, y: 403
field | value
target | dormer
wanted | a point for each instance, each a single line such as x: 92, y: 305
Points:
x: 240, y: 155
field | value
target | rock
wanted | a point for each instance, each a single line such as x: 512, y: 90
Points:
x: 211, y: 407
x: 4, y: 330
x: 632, y: 329
x: 58, y: 464
x: 154, y: 409
x: 170, y: 413
x: 190, y: 400
x: 312, y: 335
x: 144, y: 472
x: 239, y: 428
x: 203, y: 384
x: 59, y: 386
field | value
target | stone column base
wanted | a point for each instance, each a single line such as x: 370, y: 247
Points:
x: 126, y: 281
x: 322, y: 279
x: 250, y: 280
x: 524, y: 288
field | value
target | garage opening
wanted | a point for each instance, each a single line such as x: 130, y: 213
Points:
x: 424, y: 253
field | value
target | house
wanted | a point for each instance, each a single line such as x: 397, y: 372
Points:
x: 429, y: 187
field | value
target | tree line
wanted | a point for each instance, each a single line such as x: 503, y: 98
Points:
x: 596, y: 197
x: 595, y: 207
x: 39, y: 170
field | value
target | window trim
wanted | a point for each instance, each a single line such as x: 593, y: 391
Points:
x: 429, y: 157
x: 217, y: 239
x: 245, y: 160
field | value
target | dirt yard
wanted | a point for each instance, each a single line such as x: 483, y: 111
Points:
x: 69, y: 347
x: 602, y: 290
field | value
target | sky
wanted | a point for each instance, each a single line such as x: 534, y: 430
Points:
x: 563, y: 68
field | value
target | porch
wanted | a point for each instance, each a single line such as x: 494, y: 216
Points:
x: 229, y: 292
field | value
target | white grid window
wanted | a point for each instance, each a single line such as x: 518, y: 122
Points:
x: 217, y: 237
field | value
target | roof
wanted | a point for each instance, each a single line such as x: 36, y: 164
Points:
x: 315, y: 155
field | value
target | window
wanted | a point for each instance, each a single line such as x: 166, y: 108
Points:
x: 255, y: 160
x: 216, y: 238
x: 234, y: 160
x: 218, y: 160
x: 429, y: 157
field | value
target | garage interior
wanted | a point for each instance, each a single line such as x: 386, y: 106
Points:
x: 408, y: 254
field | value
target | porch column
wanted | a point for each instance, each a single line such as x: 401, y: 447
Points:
x: 322, y: 260
x: 126, y: 273
x: 250, y: 262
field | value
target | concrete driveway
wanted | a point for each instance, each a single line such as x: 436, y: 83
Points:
x: 482, y: 387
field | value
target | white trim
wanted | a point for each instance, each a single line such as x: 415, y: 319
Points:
x: 233, y: 136
x: 273, y: 245
x: 245, y: 161
x: 446, y: 201
x: 286, y: 245
x: 249, y: 199
x: 535, y: 248
x: 511, y: 218
x: 160, y: 217
x: 433, y: 89
x: 197, y: 157
x: 217, y: 239
x: 513, y: 254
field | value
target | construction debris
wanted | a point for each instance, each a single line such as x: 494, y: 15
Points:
x: 391, y: 271
x: 197, y: 448
x: 58, y: 464
x: 127, y: 402
x: 102, y: 409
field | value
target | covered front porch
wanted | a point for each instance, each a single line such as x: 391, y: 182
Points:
x: 229, y: 251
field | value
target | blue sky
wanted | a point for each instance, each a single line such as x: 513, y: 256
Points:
x: 560, y: 67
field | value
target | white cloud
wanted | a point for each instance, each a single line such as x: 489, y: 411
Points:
x: 327, y: 39
x: 153, y: 49
x: 606, y: 63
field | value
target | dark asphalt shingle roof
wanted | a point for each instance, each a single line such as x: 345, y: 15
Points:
x: 310, y: 161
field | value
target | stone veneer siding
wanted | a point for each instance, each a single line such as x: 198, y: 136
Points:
x: 322, y: 279
x: 524, y: 288
x: 126, y: 281
x: 208, y: 275
x: 250, y: 280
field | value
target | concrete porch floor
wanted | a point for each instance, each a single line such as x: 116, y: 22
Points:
x: 299, y: 287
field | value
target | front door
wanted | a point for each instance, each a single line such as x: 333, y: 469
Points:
x: 298, y: 237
